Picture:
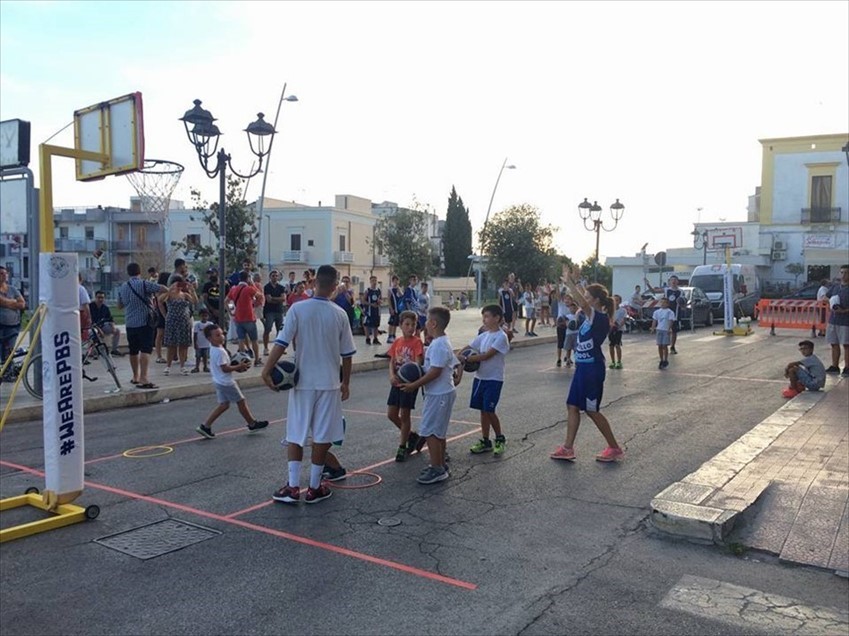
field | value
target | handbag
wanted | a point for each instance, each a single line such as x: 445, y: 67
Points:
x: 152, y: 312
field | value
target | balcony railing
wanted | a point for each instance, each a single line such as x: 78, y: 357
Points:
x: 382, y: 261
x: 80, y: 245
x: 820, y: 215
x: 295, y: 256
x: 343, y: 257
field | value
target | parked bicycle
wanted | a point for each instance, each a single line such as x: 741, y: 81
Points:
x: 94, y: 348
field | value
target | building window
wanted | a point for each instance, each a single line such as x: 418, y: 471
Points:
x: 310, y: 243
x: 192, y: 241
x: 821, y: 199
x: 89, y: 232
x: 63, y: 232
x: 342, y: 242
x: 295, y: 242
x: 141, y: 231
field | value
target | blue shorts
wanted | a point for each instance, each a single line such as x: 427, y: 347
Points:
x: 485, y: 395
x: 246, y: 331
x: 402, y: 399
x: 421, y: 322
x: 804, y: 376
x: 587, y: 387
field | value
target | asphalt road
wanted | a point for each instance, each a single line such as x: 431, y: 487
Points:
x: 514, y: 545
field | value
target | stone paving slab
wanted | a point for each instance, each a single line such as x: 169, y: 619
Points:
x: 788, y: 479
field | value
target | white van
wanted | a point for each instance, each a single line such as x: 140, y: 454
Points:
x: 747, y: 289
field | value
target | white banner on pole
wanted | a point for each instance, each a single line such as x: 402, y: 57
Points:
x: 61, y: 354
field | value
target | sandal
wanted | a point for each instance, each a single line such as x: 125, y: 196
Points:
x: 161, y: 361
x: 149, y: 385
x: 134, y: 381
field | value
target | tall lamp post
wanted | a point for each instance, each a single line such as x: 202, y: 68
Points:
x: 591, y: 215
x: 483, y: 230
x: 700, y: 242
x: 204, y: 134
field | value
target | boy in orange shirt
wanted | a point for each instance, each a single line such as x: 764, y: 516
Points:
x: 405, y: 349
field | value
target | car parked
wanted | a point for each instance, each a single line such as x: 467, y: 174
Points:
x: 808, y: 292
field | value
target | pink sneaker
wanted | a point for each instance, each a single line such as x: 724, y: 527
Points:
x: 610, y: 454
x: 561, y: 452
x: 789, y: 392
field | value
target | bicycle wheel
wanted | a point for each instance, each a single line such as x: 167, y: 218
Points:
x: 33, y: 368
x: 103, y: 352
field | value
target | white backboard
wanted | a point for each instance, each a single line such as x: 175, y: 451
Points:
x: 114, y: 128
x: 720, y: 238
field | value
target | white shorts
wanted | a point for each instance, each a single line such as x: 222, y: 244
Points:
x: 316, y: 411
x: 436, y: 414
x: 837, y: 334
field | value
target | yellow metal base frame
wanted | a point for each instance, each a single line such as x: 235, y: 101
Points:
x: 745, y: 330
x: 65, y: 515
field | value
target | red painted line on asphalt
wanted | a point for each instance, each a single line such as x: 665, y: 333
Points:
x: 415, y: 417
x: 265, y: 530
x: 187, y: 440
x: 259, y: 506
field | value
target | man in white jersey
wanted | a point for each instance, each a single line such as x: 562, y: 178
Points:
x: 319, y: 331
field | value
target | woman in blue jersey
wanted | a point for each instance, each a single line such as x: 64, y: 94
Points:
x: 587, y: 387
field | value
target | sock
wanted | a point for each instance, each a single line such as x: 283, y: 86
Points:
x: 315, y: 475
x: 500, y: 438
x: 294, y: 473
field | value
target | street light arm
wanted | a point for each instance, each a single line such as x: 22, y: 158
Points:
x: 252, y: 174
x: 592, y: 225
x: 601, y: 225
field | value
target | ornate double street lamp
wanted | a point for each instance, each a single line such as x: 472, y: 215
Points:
x: 591, y: 214
x: 700, y: 242
x: 204, y: 134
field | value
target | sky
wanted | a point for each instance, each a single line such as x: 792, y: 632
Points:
x: 659, y: 104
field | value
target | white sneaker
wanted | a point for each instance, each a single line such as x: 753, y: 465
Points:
x: 167, y: 371
x: 184, y: 371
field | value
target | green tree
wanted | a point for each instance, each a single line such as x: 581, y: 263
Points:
x: 515, y: 240
x: 403, y: 238
x: 795, y: 270
x: 457, y: 238
x: 603, y: 276
x: 242, y: 229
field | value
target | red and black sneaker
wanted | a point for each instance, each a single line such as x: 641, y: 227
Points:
x: 314, y: 495
x: 287, y: 494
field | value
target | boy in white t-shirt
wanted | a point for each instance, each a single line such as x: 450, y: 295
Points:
x: 321, y: 334
x: 661, y: 322
x: 226, y: 388
x: 200, y: 341
x: 440, y: 378
x: 492, y: 345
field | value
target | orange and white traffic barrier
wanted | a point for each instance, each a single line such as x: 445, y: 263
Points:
x: 793, y: 314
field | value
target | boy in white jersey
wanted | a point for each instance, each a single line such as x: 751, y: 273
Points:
x: 440, y: 379
x: 226, y: 388
x: 661, y: 322
x: 493, y: 345
x: 322, y: 335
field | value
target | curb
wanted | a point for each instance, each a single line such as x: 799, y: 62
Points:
x: 696, y: 508
x: 134, y: 397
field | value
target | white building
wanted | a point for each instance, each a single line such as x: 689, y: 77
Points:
x: 799, y: 214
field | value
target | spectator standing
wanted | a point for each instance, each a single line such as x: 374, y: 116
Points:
x: 296, y: 296
x: 837, y: 331
x: 136, y: 298
x: 85, y: 312
x: 661, y: 323
x: 179, y: 300
x: 676, y: 299
x: 160, y: 327
x: 102, y: 317
x: 275, y: 302
x: 211, y: 295
x: 373, y: 296
x: 396, y: 306
x: 243, y: 296
x: 11, y: 305
x: 617, y: 327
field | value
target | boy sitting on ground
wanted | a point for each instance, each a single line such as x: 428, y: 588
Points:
x: 807, y: 373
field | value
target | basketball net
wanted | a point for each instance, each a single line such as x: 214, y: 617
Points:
x: 155, y: 184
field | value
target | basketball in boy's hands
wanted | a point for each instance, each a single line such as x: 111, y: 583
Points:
x: 284, y: 375
x: 410, y: 372
x: 239, y: 357
x: 470, y: 367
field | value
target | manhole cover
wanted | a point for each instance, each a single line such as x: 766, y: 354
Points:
x: 389, y: 521
x: 158, y: 538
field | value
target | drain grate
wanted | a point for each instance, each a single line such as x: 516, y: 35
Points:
x: 158, y: 538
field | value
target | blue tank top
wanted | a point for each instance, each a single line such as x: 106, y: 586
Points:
x: 506, y: 299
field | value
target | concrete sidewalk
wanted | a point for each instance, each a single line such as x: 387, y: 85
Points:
x: 102, y: 394
x: 782, y: 488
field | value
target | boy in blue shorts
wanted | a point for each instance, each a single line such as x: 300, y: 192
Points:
x: 493, y: 345
x: 440, y: 379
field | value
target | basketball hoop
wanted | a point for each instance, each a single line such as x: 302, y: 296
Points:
x: 155, y: 183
